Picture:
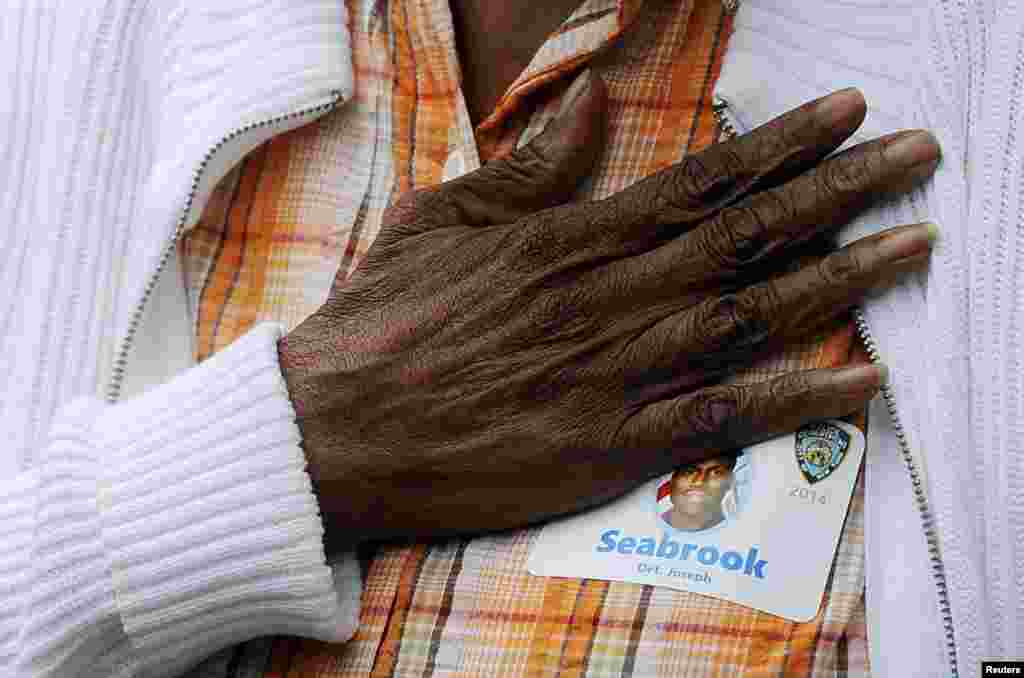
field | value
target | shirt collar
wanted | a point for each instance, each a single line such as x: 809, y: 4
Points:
x: 594, y: 24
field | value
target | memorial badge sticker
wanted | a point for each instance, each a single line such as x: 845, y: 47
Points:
x: 820, y: 448
x: 757, y: 526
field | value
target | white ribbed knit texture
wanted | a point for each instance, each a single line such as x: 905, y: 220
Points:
x: 952, y: 336
x: 138, y: 538
x: 107, y: 110
x: 57, y: 573
x: 157, y: 531
x: 996, y: 277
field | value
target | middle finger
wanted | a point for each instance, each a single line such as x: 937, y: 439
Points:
x: 740, y: 239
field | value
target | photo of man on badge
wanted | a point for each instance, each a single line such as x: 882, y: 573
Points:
x: 702, y: 495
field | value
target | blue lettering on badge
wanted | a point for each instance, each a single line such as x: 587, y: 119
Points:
x: 669, y: 549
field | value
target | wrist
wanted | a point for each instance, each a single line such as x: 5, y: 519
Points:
x: 303, y: 368
x: 295, y: 360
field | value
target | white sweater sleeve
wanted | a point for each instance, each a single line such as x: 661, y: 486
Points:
x: 151, y: 533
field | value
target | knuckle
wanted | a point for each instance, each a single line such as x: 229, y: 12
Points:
x: 766, y: 298
x: 791, y: 127
x: 731, y: 161
x: 809, y: 123
x: 737, y: 237
x: 717, y: 320
x: 452, y: 198
x: 737, y: 320
x: 781, y: 206
x: 783, y: 133
x: 564, y: 313
x: 841, y: 267
x: 528, y: 162
x: 713, y: 411
x: 794, y: 386
x: 847, y: 174
x: 765, y: 142
x: 691, y: 182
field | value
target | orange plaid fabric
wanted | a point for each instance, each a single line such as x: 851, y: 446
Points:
x: 308, y: 205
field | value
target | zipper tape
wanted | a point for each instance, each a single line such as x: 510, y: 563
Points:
x: 121, y: 357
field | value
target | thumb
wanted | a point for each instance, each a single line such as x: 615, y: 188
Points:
x: 541, y: 174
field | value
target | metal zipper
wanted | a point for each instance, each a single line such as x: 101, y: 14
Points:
x: 920, y: 497
x: 722, y: 119
x: 728, y: 131
x: 121, y: 357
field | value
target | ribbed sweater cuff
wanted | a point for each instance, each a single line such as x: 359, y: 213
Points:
x: 208, y: 514
x: 59, y: 616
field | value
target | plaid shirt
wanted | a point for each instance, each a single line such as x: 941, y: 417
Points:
x: 309, y: 203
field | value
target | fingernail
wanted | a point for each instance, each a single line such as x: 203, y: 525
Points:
x: 861, y: 378
x: 838, y: 107
x: 907, y: 241
x: 916, y: 151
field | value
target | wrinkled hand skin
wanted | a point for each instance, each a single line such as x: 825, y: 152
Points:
x: 503, y: 356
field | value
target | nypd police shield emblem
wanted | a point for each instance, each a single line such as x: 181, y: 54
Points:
x: 820, y: 449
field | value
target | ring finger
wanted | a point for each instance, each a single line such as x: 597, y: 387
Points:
x: 703, y: 341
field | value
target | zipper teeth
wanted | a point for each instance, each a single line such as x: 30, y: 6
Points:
x: 728, y: 131
x: 117, y: 376
x: 920, y: 497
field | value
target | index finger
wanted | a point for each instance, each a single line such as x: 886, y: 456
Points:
x: 702, y: 183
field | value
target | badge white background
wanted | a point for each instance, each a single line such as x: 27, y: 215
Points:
x: 795, y: 534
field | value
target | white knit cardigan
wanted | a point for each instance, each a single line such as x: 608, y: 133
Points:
x: 944, y: 504
x: 138, y: 537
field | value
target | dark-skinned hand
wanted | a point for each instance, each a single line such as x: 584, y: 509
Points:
x: 502, y: 356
